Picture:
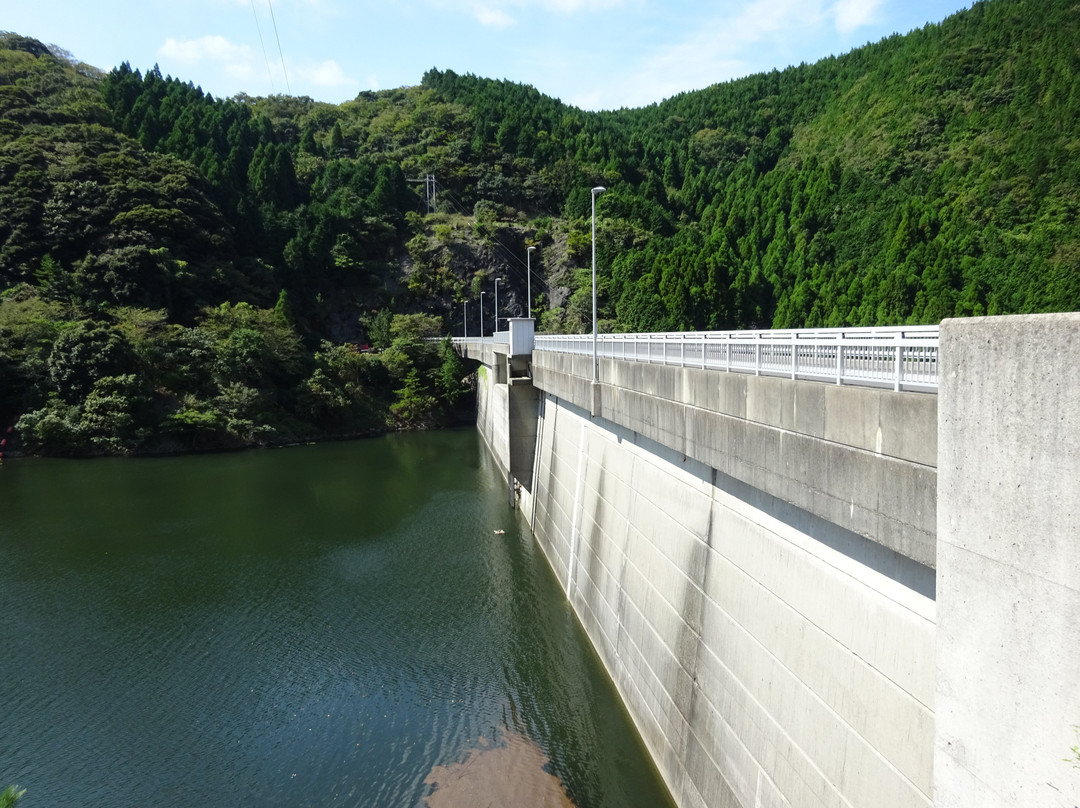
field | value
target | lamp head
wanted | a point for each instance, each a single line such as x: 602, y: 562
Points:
x: 599, y: 189
x: 531, y: 249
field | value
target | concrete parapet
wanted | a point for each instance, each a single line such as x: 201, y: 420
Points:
x: 1008, y: 648
x: 862, y: 458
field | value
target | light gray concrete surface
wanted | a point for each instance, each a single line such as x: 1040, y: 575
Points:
x: 712, y: 532
x: 862, y: 458
x: 492, y: 415
x: 767, y: 657
x: 1008, y: 644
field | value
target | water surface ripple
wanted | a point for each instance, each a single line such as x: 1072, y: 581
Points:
x: 322, y: 625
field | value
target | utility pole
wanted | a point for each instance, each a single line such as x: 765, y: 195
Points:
x: 429, y: 184
x: 429, y: 191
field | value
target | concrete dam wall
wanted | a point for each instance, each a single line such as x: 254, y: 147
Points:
x: 763, y: 666
x: 754, y: 561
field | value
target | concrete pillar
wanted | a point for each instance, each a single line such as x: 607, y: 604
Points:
x: 1007, y: 694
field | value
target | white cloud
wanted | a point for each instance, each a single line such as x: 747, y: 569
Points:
x: 676, y: 71
x: 326, y: 74
x: 852, y: 14
x: 242, y: 72
x: 571, y: 6
x: 738, y: 42
x: 210, y: 48
x: 498, y: 16
x: 492, y: 17
x: 766, y: 17
x: 217, y: 53
x: 718, y: 50
x: 262, y: 6
x: 240, y: 63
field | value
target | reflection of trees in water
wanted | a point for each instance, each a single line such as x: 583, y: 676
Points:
x: 511, y: 774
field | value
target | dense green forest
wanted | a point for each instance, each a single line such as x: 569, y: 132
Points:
x: 182, y: 272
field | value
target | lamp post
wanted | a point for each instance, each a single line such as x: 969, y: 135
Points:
x: 465, y: 318
x: 496, y: 307
x: 528, y: 281
x: 599, y: 189
x: 482, y: 314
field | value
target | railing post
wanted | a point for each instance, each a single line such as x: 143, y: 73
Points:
x: 899, y: 361
x: 757, y: 353
x: 794, y: 356
x: 704, y: 344
x: 839, y: 361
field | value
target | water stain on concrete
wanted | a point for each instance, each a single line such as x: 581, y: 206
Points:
x: 512, y: 774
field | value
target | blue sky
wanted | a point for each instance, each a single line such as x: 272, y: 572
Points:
x: 594, y: 54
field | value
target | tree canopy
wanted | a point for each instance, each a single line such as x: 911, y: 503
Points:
x: 179, y: 271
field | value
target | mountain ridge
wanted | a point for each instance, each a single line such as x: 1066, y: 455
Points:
x: 930, y: 175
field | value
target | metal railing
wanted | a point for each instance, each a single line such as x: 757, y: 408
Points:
x: 901, y: 358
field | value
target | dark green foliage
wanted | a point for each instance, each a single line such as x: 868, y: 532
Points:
x: 449, y: 381
x: 414, y: 404
x: 83, y: 354
x: 179, y: 271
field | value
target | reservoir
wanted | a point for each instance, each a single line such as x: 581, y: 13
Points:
x: 356, y: 624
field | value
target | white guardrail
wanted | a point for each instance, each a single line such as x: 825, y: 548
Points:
x: 900, y: 358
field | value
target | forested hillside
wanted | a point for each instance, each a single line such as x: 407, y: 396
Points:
x: 179, y: 271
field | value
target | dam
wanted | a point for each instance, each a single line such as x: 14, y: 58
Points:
x: 813, y: 582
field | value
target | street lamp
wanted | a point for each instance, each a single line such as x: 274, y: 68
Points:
x: 599, y: 189
x: 528, y: 280
x: 496, y: 306
x: 465, y: 318
x: 482, y: 314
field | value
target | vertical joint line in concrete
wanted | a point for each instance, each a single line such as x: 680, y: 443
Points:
x: 574, y: 520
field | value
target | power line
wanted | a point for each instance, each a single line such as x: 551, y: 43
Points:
x: 511, y: 254
x: 280, y: 53
x: 262, y: 44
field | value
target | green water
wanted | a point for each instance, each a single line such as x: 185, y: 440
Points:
x: 313, y: 626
